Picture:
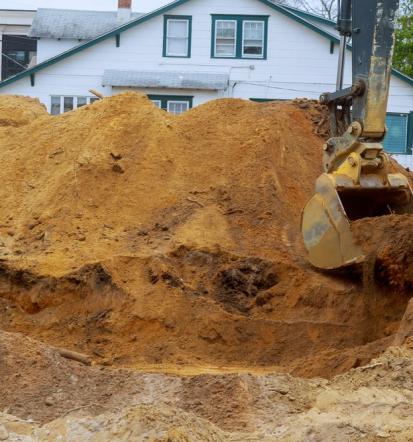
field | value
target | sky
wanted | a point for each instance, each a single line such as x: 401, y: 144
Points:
x: 138, y: 5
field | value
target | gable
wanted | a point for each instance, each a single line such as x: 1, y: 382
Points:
x: 300, y: 17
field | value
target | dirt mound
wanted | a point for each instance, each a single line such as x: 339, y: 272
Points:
x: 141, y: 238
x: 388, y: 242
x: 317, y: 114
x: 18, y: 111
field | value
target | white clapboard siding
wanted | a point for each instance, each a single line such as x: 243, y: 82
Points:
x: 405, y: 160
x: 299, y: 63
x: 49, y: 47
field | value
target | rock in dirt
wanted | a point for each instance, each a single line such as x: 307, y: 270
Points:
x: 4, y: 434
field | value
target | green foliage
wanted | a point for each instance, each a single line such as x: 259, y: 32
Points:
x: 403, y: 54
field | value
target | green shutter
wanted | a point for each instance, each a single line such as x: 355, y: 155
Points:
x: 396, y: 137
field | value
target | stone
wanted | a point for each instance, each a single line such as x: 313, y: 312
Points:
x: 4, y: 434
x: 49, y: 401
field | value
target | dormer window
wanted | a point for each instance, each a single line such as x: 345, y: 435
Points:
x: 177, y: 36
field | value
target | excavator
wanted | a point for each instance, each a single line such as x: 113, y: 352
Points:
x: 357, y: 181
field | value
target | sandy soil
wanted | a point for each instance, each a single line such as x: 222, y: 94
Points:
x: 167, y: 251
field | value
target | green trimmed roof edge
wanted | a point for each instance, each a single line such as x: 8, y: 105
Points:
x: 311, y: 16
x: 287, y: 11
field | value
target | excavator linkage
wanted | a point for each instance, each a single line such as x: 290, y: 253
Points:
x: 357, y: 181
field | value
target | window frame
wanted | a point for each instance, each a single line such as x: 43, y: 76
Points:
x: 267, y: 100
x: 235, y: 38
x: 243, y: 40
x: 188, y: 19
x: 164, y: 99
x: 240, y: 19
x: 89, y: 100
x: 157, y: 101
x: 177, y: 102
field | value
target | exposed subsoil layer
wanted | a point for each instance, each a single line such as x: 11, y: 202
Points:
x: 388, y: 242
x: 106, y: 404
x: 140, y: 238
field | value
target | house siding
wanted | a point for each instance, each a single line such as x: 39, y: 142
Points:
x: 299, y: 62
x: 48, y: 47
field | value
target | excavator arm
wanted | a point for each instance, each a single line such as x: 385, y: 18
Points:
x: 357, y: 181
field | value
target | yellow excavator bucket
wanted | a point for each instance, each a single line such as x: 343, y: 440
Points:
x: 327, y: 217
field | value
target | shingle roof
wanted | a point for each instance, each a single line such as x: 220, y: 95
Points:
x: 68, y: 23
x: 166, y: 79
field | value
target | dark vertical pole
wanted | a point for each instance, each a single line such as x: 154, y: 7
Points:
x: 373, y: 43
x: 344, y: 27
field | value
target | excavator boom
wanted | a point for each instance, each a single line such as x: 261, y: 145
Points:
x: 357, y: 181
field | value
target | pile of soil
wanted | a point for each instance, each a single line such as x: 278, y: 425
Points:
x: 18, y: 111
x: 157, y: 242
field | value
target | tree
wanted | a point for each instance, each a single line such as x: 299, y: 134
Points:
x: 403, y: 52
x: 325, y: 8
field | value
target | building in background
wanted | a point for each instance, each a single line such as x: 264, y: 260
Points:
x: 192, y: 51
x: 17, y: 48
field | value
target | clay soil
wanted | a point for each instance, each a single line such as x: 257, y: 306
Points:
x: 167, y: 251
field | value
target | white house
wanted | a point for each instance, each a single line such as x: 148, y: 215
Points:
x: 191, y: 51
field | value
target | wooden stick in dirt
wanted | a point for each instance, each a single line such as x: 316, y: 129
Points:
x: 96, y: 93
x: 74, y: 356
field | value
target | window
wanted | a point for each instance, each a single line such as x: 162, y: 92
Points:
x: 396, y: 137
x: 68, y: 103
x: 253, y: 39
x: 239, y: 36
x: 226, y: 38
x: 177, y: 36
x: 81, y: 101
x: 60, y: 104
x: 175, y: 104
x: 18, y: 56
x: 55, y: 106
x: 177, y: 107
x: 17, y: 53
x: 157, y: 103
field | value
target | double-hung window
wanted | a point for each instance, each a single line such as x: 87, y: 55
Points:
x: 177, y: 36
x: 253, y: 38
x: 239, y: 36
x: 175, y: 104
x: 225, y: 38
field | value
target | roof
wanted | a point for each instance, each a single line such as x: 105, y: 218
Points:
x: 308, y: 20
x: 69, y: 23
x: 166, y: 79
